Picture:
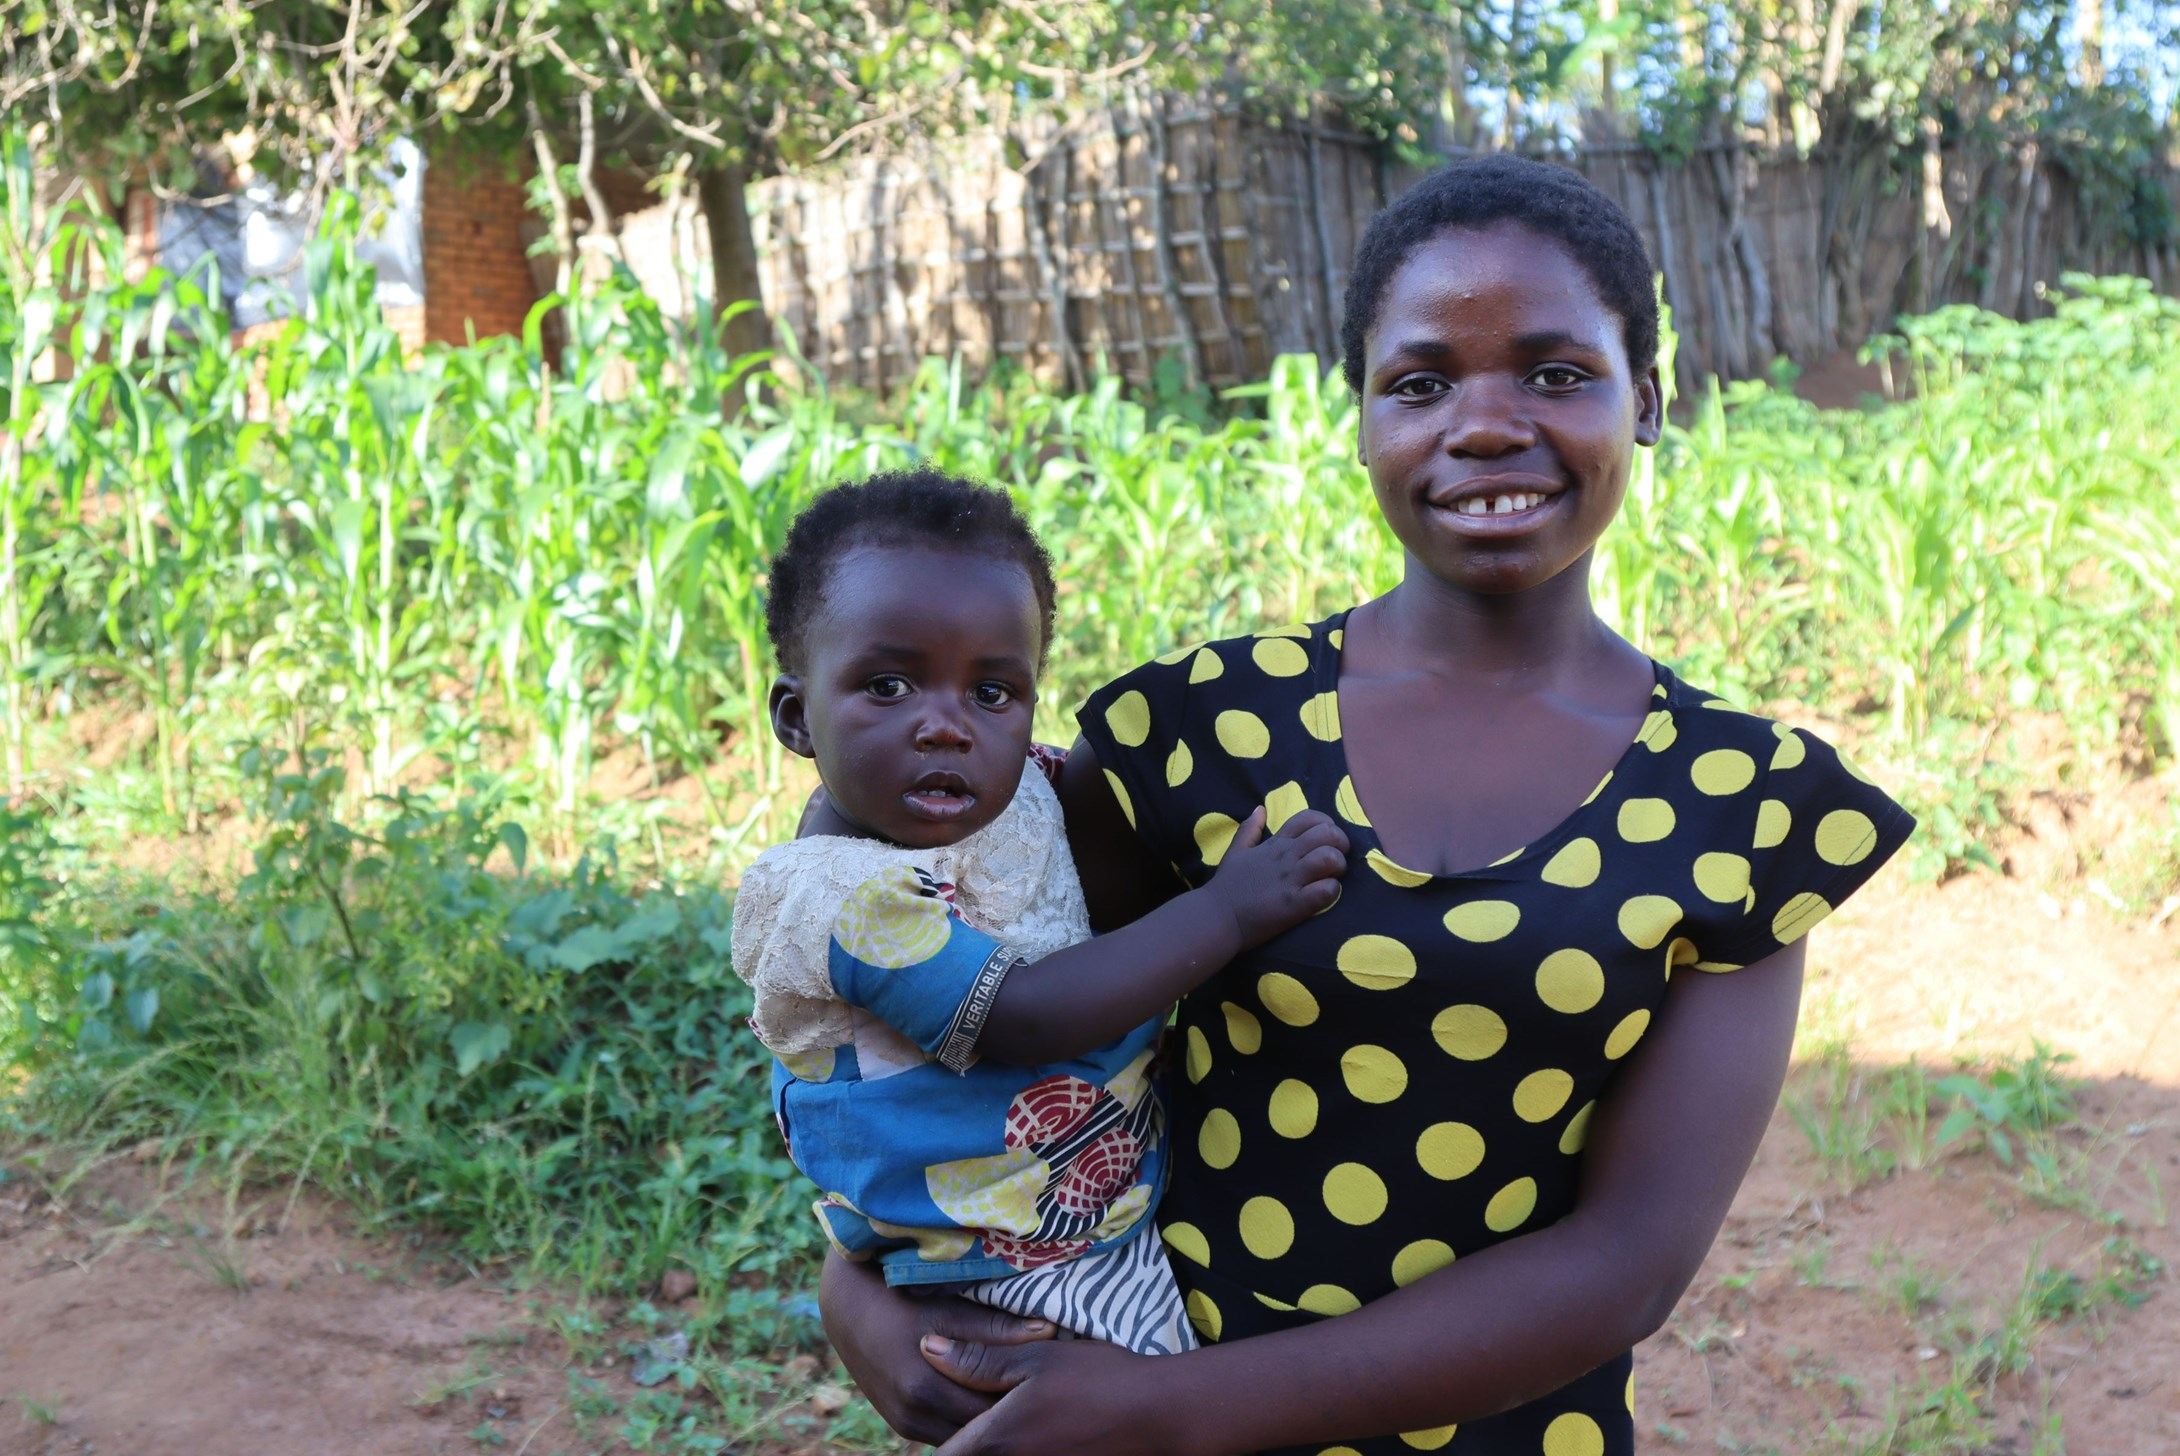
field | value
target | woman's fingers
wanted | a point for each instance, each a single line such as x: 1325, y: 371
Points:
x: 958, y: 1319
x: 993, y: 1369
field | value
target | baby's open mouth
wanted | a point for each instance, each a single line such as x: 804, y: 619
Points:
x: 940, y: 797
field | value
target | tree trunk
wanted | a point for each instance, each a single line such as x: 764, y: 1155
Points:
x: 722, y: 191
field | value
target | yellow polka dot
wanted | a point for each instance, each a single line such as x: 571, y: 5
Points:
x: 1658, y: 731
x: 1328, y: 1299
x: 1292, y: 629
x: 1577, y: 1131
x: 1267, y: 1229
x: 1199, y: 1055
x: 1854, y: 770
x: 1176, y: 656
x: 1845, y: 837
x: 1722, y: 877
x: 1631, y: 1392
x: 1511, y: 1206
x: 1350, y: 807
x: 1772, y: 822
x: 1626, y: 1034
x: 1337, y: 637
x: 1721, y: 705
x: 1354, y: 1194
x: 1645, y: 821
x: 1287, y: 998
x: 1204, y: 1315
x: 1791, y: 750
x: 1321, y: 717
x: 1270, y: 1303
x: 1394, y: 874
x: 1449, y: 1150
x: 1682, y: 952
x: 1429, y: 1440
x: 1282, y: 804
x: 1373, y: 1074
x: 1723, y: 771
x: 1179, y: 765
x: 1219, y: 1139
x: 1484, y: 921
x: 1281, y: 656
x: 1598, y: 790
x: 1424, y: 1256
x: 1574, y: 1434
x: 1242, y: 1029
x: 1214, y: 832
x: 1129, y: 719
x: 1120, y: 796
x: 1540, y: 1094
x: 1510, y: 856
x: 1242, y: 733
x: 1205, y: 667
x: 1294, y: 1109
x: 1188, y: 1241
x: 1575, y: 866
x: 1646, y: 919
x: 1377, y: 962
x: 1796, y: 917
x: 1470, y: 1033
x: 1570, y: 981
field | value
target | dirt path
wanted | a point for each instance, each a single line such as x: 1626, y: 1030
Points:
x: 1963, y: 1306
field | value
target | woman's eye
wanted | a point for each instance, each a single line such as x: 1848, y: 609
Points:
x: 1557, y: 376
x: 888, y: 687
x: 994, y: 695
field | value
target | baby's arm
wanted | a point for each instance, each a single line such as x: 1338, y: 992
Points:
x: 1089, y: 995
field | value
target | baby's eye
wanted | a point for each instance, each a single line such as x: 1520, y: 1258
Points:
x: 888, y: 686
x: 994, y: 695
x: 1558, y: 376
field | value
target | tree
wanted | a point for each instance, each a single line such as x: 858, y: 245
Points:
x: 726, y: 89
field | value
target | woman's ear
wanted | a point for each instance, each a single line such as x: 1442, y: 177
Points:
x: 1649, y: 407
x: 790, y: 717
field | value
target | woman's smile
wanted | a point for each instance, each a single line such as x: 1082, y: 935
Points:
x: 1496, y: 507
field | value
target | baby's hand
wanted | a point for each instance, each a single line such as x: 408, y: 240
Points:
x: 1272, y: 885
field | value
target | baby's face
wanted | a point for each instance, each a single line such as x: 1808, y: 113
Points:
x: 918, y: 687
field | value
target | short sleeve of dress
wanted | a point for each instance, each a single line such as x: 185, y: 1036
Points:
x: 1134, y: 725
x: 1822, y: 830
x: 900, y: 952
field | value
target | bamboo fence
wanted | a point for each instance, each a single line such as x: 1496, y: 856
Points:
x: 1166, y: 235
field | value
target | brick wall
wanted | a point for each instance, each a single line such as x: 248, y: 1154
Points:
x: 477, y: 274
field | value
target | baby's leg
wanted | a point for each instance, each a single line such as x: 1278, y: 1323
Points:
x: 1125, y: 1296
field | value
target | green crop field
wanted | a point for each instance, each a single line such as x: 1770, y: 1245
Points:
x: 381, y: 623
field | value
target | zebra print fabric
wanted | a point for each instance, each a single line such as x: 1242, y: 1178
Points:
x: 1125, y: 1296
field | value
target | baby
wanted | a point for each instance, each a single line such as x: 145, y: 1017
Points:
x: 962, y: 1069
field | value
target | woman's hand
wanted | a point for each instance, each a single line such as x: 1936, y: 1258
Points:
x: 875, y: 1329
x: 1064, y: 1398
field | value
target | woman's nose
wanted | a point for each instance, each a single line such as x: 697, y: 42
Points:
x: 1487, y: 421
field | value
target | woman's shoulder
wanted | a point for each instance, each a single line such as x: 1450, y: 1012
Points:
x: 1216, y: 671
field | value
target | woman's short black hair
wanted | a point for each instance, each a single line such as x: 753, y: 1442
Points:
x: 1479, y: 192
x: 897, y: 508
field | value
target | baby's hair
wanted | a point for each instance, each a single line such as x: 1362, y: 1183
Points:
x: 898, y: 508
x: 1482, y: 191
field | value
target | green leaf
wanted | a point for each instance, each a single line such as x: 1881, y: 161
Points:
x: 97, y: 991
x: 477, y: 1044
x: 585, y: 948
x: 141, y: 1005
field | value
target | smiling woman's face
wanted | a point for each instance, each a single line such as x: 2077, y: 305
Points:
x: 1499, y: 412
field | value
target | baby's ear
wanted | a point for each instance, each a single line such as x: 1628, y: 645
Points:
x: 790, y: 720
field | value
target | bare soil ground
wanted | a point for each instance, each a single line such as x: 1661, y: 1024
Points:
x: 1925, y: 1310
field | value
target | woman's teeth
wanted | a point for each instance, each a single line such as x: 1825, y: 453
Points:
x: 1498, y: 505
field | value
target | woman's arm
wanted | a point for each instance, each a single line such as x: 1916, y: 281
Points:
x: 1122, y: 878
x: 1669, y: 1147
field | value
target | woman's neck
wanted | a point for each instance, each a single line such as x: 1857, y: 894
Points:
x: 1551, y: 629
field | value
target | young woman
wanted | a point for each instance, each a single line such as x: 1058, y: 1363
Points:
x: 1445, y: 1153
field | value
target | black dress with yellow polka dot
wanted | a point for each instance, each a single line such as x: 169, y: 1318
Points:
x: 1408, y: 1077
